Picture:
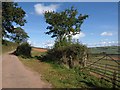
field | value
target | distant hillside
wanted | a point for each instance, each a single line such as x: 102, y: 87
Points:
x: 107, y: 49
x: 39, y: 49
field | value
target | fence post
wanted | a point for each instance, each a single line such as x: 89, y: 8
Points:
x: 105, y: 69
x: 70, y: 62
x: 114, y: 80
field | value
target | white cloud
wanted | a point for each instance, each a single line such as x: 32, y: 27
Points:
x: 104, y: 42
x: 31, y: 13
x: 15, y: 26
x: 41, y: 8
x: 106, y: 34
x: 109, y: 42
x: 34, y: 44
x: 77, y: 36
x: 49, y: 45
x: 46, y: 44
x: 26, y: 15
x: 29, y: 41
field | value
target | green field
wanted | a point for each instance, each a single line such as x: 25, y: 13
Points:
x: 107, y: 49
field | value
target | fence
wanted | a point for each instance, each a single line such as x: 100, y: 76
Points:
x: 106, y: 67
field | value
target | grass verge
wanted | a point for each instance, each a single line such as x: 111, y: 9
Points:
x: 9, y: 46
x: 61, y: 77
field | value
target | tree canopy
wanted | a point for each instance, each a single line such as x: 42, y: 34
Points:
x: 19, y: 35
x: 12, y: 14
x: 64, y: 24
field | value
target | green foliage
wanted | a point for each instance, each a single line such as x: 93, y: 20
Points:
x: 92, y: 81
x: 71, y: 55
x: 23, y: 50
x: 61, y: 43
x: 19, y: 35
x: 11, y: 13
x: 64, y: 24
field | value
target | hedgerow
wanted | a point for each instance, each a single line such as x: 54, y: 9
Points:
x: 71, y: 56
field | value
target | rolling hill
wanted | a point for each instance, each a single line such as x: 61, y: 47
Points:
x: 107, y: 49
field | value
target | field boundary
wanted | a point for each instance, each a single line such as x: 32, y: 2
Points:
x: 108, y: 72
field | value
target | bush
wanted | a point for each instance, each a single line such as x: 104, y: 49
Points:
x: 71, y: 55
x: 23, y: 50
x: 62, y: 43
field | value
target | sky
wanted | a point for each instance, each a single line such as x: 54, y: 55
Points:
x: 100, y: 29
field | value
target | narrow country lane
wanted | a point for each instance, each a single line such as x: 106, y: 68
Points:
x: 16, y: 75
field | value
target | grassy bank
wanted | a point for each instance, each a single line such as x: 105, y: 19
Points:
x: 61, y: 77
x: 8, y: 46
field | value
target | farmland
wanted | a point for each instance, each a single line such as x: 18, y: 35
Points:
x: 107, y: 49
x: 60, y: 76
x: 69, y: 62
x: 105, y: 65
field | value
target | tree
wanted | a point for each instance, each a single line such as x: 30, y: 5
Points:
x: 19, y: 35
x: 11, y: 13
x: 64, y: 24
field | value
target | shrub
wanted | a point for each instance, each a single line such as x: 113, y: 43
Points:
x: 62, y: 43
x: 23, y: 50
x: 71, y: 55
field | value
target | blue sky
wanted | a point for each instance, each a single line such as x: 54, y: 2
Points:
x: 101, y: 28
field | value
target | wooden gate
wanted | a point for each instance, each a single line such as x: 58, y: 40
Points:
x: 106, y: 66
